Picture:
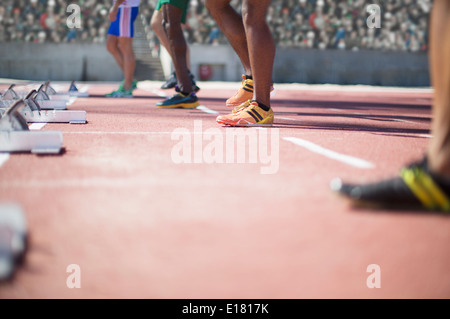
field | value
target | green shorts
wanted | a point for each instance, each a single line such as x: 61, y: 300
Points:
x: 182, y: 4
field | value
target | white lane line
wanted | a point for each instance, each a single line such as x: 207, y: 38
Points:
x: 159, y: 93
x: 346, y: 159
x: 206, y: 110
x: 84, y: 88
x: 4, y: 157
x: 71, y: 100
x: 36, y: 126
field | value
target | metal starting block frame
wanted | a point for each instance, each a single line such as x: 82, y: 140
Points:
x: 16, y: 137
x: 72, y: 92
x: 33, y: 113
x: 44, y: 100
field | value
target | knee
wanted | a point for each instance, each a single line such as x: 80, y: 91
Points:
x: 172, y: 31
x: 153, y: 25
x: 156, y: 24
x: 127, y: 50
x: 111, y: 46
x: 246, y: 14
x: 214, y: 6
x: 209, y: 4
x: 251, y: 15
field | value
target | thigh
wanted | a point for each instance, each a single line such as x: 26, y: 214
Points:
x: 217, y: 3
x: 125, y: 44
x: 157, y: 16
x: 176, y: 8
x: 112, y: 41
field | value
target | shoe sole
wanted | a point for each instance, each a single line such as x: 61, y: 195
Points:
x: 179, y: 106
x: 260, y: 124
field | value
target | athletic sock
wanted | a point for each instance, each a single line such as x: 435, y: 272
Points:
x: 249, y: 77
x: 263, y: 106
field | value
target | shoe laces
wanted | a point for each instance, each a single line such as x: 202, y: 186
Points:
x: 241, y: 107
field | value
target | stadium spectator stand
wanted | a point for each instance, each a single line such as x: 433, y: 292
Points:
x: 319, y: 24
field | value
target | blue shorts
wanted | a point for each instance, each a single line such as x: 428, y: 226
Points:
x: 123, y: 26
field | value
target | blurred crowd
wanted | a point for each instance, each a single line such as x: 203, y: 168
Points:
x: 43, y: 21
x: 320, y: 24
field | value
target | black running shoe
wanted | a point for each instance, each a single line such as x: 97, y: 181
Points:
x: 171, y: 82
x: 179, y: 100
x: 415, y: 188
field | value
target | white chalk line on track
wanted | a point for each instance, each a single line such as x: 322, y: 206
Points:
x: 4, y: 157
x: 159, y: 93
x: 346, y: 159
x: 36, y: 126
x: 206, y: 110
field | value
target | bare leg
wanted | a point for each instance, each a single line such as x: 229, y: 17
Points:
x: 439, y: 148
x: 157, y: 26
x: 112, y: 45
x: 230, y: 22
x: 177, y: 45
x: 129, y: 61
x: 261, y: 47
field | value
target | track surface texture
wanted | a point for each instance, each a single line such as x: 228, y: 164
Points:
x: 153, y: 203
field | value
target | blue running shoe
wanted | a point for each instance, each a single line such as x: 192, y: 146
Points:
x: 179, y: 100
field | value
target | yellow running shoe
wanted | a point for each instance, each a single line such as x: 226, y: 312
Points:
x: 242, y: 106
x: 244, y: 94
x: 252, y: 115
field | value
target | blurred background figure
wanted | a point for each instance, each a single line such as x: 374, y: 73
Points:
x: 120, y: 43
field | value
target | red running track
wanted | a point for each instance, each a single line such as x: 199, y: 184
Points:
x: 140, y: 225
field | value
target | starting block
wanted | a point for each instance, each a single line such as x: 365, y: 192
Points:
x: 33, y: 113
x: 45, y: 103
x: 16, y: 137
x: 52, y: 95
x: 72, y: 92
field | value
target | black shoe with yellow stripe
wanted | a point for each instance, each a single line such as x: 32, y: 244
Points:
x: 415, y: 188
x: 179, y: 100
